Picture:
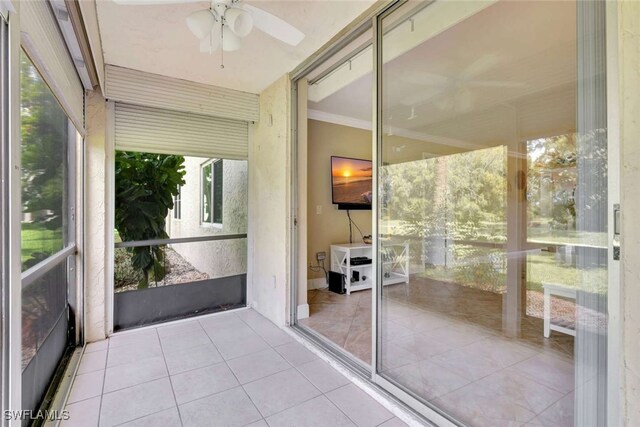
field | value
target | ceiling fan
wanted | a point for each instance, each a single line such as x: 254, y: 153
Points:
x: 455, y: 92
x: 225, y: 22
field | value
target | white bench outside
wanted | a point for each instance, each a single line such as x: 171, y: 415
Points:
x: 561, y: 291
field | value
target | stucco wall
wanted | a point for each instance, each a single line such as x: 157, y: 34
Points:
x: 95, y: 215
x: 216, y: 258
x: 269, y: 199
x: 629, y: 92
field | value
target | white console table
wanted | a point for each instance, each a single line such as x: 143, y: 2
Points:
x: 395, y: 264
x: 551, y: 289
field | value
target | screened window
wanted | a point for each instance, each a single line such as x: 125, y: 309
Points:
x: 212, y: 197
x: 48, y: 139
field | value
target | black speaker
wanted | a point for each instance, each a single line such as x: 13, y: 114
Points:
x: 336, y: 282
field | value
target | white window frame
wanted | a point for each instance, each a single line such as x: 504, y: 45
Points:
x: 211, y: 222
x: 177, y: 205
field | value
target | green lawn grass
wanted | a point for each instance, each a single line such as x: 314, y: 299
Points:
x: 541, y: 268
x: 39, y: 240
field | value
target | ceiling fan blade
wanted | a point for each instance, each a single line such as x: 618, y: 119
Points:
x: 481, y: 65
x: 274, y: 26
x: 152, y: 2
x: 495, y: 83
x: 424, y: 78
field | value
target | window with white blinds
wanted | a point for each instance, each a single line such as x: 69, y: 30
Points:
x: 42, y: 41
x: 155, y: 130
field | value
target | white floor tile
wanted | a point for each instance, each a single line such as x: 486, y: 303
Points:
x: 199, y: 383
x: 241, y: 345
x: 322, y: 375
x: 86, y: 386
x: 167, y: 418
x: 317, y: 412
x: 185, y: 340
x: 280, y: 391
x: 96, y: 346
x: 83, y: 414
x: 179, y: 328
x: 229, y: 408
x: 135, y: 402
x: 394, y: 422
x: 130, y: 374
x: 95, y: 361
x: 273, y: 335
x: 181, y: 359
x: 296, y: 353
x: 134, y: 352
x: 138, y: 338
x: 258, y: 365
x: 361, y: 408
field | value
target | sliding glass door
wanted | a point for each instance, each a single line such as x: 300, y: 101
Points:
x: 492, y: 184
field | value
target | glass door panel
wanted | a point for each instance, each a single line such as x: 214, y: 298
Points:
x: 492, y: 188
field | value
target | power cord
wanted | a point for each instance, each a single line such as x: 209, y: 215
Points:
x: 351, y: 221
x: 320, y: 267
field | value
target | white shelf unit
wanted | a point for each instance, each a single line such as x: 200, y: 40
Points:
x: 395, y: 264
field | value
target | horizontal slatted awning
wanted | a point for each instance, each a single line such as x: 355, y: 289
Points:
x: 154, y: 130
x: 153, y: 90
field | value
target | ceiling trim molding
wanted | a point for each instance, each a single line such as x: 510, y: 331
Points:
x: 338, y: 119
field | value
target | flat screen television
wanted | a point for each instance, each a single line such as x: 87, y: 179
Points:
x: 351, y: 183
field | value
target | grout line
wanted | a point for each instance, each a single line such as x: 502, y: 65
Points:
x: 275, y: 373
x: 233, y: 373
x: 104, y: 379
x: 148, y: 415
x: 177, y: 321
x: 169, y: 375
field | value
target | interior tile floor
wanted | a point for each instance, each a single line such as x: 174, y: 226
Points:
x: 444, y: 343
x: 232, y: 369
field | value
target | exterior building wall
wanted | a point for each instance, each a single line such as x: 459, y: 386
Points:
x: 215, y: 258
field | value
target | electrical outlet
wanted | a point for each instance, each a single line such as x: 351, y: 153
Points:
x: 318, y: 209
x: 321, y: 256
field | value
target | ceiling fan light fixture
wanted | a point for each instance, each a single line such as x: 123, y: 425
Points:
x: 239, y: 21
x: 211, y: 42
x: 201, y: 23
x: 230, y: 41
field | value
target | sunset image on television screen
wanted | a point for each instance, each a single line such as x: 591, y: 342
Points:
x: 352, y: 180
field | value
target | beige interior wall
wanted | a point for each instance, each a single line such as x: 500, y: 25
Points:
x: 329, y: 225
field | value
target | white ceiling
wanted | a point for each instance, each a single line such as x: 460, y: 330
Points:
x: 155, y: 39
x: 466, y: 83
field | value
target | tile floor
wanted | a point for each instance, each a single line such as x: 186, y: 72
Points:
x: 444, y: 343
x: 233, y: 369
